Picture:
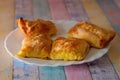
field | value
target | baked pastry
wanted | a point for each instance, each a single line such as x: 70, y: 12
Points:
x: 36, y: 27
x: 96, y: 36
x: 37, y: 42
x: 69, y: 49
x: 36, y: 47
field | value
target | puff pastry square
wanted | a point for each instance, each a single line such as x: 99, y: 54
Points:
x: 69, y: 49
x: 96, y: 36
x: 36, y: 47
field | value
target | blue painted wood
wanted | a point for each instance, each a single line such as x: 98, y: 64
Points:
x: 41, y: 10
x: 21, y: 70
x: 93, y: 10
x: 52, y: 73
x: 102, y: 69
x: 78, y: 10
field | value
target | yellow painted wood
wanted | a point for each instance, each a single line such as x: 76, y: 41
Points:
x: 97, y: 16
x: 6, y: 25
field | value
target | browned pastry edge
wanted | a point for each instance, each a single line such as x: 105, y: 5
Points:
x: 95, y: 35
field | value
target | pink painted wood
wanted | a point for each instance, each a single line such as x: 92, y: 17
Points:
x: 77, y: 72
x: 58, y: 10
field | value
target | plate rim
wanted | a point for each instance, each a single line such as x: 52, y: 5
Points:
x: 78, y: 62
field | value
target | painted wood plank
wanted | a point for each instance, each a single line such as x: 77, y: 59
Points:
x: 52, y: 73
x: 24, y: 71
x: 74, y: 73
x: 21, y: 70
x: 41, y: 9
x: 112, y: 12
x: 102, y: 21
x: 117, y: 2
x: 114, y: 51
x: 48, y: 73
x: 77, y: 12
x: 55, y: 12
x: 6, y: 25
x: 102, y: 70
x: 58, y: 10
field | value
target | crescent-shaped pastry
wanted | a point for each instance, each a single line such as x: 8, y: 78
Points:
x: 96, y: 36
x: 69, y: 49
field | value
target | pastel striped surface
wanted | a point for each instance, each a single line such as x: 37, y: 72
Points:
x: 58, y: 10
x: 77, y: 12
x: 22, y: 71
x: 112, y: 12
x: 92, y: 5
x: 114, y: 52
x: 77, y: 72
x: 105, y: 68
x: 78, y: 16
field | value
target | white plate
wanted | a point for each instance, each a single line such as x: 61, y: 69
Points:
x: 13, y: 41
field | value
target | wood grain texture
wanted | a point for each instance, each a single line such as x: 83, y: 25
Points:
x: 55, y: 12
x: 21, y: 70
x: 77, y: 12
x: 112, y: 12
x: 41, y: 9
x: 117, y: 2
x: 24, y: 71
x: 52, y: 73
x: 102, y: 21
x: 77, y: 72
x: 6, y: 25
x: 58, y: 10
x: 46, y: 73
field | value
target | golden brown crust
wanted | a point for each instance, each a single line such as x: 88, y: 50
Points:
x: 69, y: 49
x: 36, y: 47
x: 96, y: 36
x: 36, y: 27
x: 37, y: 42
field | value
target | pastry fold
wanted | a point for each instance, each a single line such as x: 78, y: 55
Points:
x: 36, y: 27
x: 69, y: 49
x: 36, y: 47
x: 96, y: 36
x: 37, y: 42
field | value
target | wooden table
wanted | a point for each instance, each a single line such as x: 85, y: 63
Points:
x: 105, y: 13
